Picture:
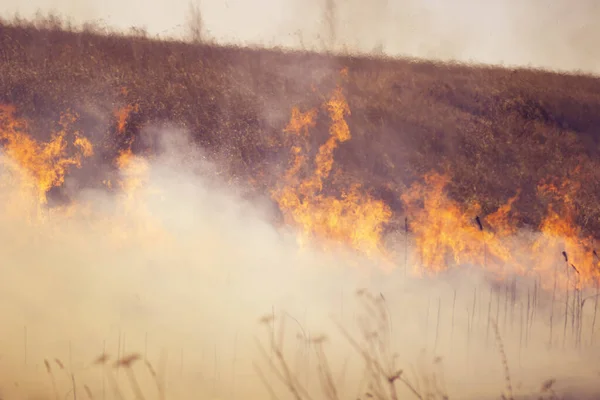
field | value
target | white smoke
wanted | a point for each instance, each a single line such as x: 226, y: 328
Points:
x: 184, y: 275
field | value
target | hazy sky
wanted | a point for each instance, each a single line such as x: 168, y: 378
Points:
x: 556, y: 34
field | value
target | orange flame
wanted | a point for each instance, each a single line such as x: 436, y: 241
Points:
x: 446, y: 234
x: 122, y: 115
x: 560, y: 233
x: 443, y: 233
x: 353, y: 218
x: 133, y: 169
x: 45, y: 163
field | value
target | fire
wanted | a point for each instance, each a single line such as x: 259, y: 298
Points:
x: 444, y: 234
x: 580, y: 265
x: 133, y: 169
x: 353, y: 218
x: 45, y: 164
x: 312, y: 198
x: 447, y: 234
x: 134, y: 172
x: 500, y: 220
x: 122, y: 115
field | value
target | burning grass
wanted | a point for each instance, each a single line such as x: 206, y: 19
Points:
x: 343, y: 160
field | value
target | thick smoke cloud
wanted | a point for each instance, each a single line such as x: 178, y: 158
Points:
x: 181, y: 269
x: 558, y: 35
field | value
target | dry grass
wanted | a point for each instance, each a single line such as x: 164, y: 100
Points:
x: 384, y: 376
x: 495, y: 130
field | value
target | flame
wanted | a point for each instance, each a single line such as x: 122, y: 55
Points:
x: 444, y: 235
x: 29, y: 169
x: 122, y: 115
x: 560, y: 233
x: 448, y: 235
x: 45, y: 164
x: 500, y: 219
x: 352, y: 218
x: 311, y: 197
x: 134, y: 172
x: 133, y: 169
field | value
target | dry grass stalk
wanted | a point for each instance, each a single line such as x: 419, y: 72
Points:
x: 381, y: 372
x: 52, y: 378
x: 126, y: 362
x: 489, y: 316
x: 550, y: 342
x: 505, y: 304
x: 437, y: 325
x: 527, y: 316
x: 88, y: 392
x: 473, y: 308
x: 595, y: 312
x: 566, y: 299
x: 504, y: 360
x: 453, y: 309
x: 405, y: 246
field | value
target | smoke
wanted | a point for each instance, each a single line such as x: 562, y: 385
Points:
x: 556, y: 35
x: 180, y: 268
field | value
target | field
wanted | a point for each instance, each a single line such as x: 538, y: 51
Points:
x: 165, y: 195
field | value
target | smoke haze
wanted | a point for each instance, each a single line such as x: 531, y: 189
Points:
x: 558, y: 35
x: 180, y: 269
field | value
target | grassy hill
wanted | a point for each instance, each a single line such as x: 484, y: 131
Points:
x: 495, y: 131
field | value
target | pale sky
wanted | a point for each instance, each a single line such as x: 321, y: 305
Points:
x: 557, y: 34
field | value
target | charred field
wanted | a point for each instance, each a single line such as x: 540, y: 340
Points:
x: 160, y: 196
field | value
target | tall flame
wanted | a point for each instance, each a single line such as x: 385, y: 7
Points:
x: 133, y: 169
x: 353, y: 218
x: 560, y: 233
x: 445, y: 233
